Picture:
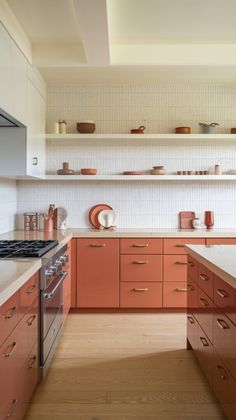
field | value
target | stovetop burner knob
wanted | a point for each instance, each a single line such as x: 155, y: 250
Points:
x: 49, y: 272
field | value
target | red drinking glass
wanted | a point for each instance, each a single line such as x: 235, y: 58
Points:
x: 209, y: 219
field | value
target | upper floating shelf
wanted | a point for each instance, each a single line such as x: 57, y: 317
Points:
x: 154, y: 178
x: 158, y: 137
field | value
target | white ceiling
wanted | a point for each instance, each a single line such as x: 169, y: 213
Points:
x: 125, y: 41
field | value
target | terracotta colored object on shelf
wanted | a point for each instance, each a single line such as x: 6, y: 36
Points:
x: 139, y: 130
x: 233, y: 130
x: 158, y: 170
x: 88, y: 171
x: 186, y: 219
x: 86, y: 127
x: 65, y: 169
x: 93, y: 214
x: 209, y: 219
x: 133, y: 173
x: 183, y: 130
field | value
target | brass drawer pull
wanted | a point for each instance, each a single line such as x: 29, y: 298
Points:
x: 140, y: 262
x: 10, y: 313
x: 181, y: 289
x: 222, y: 372
x: 180, y: 245
x: 32, y: 362
x: 145, y: 289
x: 204, y: 302
x: 12, y: 410
x: 222, y: 324
x: 31, y: 289
x: 97, y: 245
x: 181, y: 262
x: 204, y: 277
x: 222, y: 293
x: 140, y: 245
x: 191, y: 320
x: 12, y: 348
x: 30, y: 320
x: 204, y: 342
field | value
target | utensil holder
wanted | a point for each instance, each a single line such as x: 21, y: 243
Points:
x: 48, y: 225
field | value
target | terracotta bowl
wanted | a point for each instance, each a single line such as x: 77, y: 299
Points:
x: 183, y: 130
x: 88, y: 171
x: 233, y: 130
x: 86, y: 127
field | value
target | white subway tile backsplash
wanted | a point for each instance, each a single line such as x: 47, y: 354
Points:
x: 117, y: 109
x: 8, y: 205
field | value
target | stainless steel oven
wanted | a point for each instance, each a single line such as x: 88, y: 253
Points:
x: 51, y: 305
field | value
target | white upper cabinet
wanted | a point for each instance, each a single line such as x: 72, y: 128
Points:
x: 22, y: 96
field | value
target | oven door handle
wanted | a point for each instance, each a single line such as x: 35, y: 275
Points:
x: 52, y: 293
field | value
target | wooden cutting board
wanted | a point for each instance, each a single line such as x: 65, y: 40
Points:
x: 186, y: 219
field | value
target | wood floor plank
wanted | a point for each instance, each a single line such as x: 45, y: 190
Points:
x: 124, y: 367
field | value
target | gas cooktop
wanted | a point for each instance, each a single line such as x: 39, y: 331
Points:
x: 25, y: 249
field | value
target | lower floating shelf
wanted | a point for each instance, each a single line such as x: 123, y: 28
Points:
x: 154, y: 178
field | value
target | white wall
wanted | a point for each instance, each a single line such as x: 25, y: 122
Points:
x: 8, y: 205
x: 117, y: 109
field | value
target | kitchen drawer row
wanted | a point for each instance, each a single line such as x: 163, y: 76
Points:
x: 211, y: 331
x: 132, y: 272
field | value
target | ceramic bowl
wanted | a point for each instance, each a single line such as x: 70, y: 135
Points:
x: 86, y: 127
x: 88, y: 171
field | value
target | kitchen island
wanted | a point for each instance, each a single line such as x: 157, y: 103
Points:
x: 211, y: 317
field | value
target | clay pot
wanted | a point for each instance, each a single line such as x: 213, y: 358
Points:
x: 65, y: 169
x: 88, y: 171
x: 86, y: 127
x: 158, y: 170
x: 183, y: 130
x: 139, y: 130
x: 233, y: 130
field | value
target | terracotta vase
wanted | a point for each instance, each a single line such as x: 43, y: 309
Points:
x: 209, y: 219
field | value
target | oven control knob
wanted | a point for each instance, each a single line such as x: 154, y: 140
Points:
x: 49, y: 272
x: 58, y: 265
x: 64, y: 259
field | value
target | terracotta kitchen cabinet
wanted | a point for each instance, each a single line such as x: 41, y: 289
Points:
x: 140, y: 295
x: 204, y: 353
x: 98, y: 273
x: 9, y: 316
x: 192, y: 332
x: 73, y: 243
x: 176, y: 245
x: 192, y: 297
x: 175, y: 268
x: 204, y: 314
x: 221, y: 241
x: 141, y: 246
x: 192, y: 268
x: 29, y: 292
x: 225, y: 298
x: 224, y: 387
x: 67, y: 283
x: 205, y: 280
x: 140, y: 268
x: 175, y: 294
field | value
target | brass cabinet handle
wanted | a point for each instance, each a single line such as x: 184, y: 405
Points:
x: 97, y: 245
x: 140, y: 245
x: 191, y: 288
x: 32, y: 362
x: 145, y: 289
x: 181, y: 289
x: 204, y: 342
x: 31, y: 289
x: 191, y: 320
x: 222, y: 293
x: 140, y: 262
x: 204, y: 302
x: 222, y: 372
x: 204, y: 277
x: 10, y: 313
x: 180, y: 245
x: 222, y: 324
x: 30, y: 320
x: 181, y: 262
x: 11, y: 412
x: 12, y: 348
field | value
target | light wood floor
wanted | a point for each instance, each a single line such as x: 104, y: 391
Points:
x: 124, y: 367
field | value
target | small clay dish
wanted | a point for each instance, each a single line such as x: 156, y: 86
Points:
x: 133, y: 173
x: 183, y: 130
x: 86, y: 127
x: 88, y: 171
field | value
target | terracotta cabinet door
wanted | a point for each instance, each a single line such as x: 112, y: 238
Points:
x: 140, y: 295
x: 221, y: 241
x: 205, y: 280
x: 224, y: 387
x: 204, y: 353
x: 192, y: 331
x: 9, y: 316
x: 204, y: 314
x: 175, y: 268
x: 98, y: 273
x: 140, y: 268
x: 225, y: 298
x: 175, y: 294
x: 192, y: 297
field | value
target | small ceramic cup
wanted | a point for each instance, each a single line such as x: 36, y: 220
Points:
x: 48, y: 225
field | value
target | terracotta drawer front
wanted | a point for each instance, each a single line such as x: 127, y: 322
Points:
x: 141, y: 246
x: 175, y: 268
x: 224, y: 387
x: 29, y: 292
x: 30, y: 374
x: 225, y: 298
x: 225, y: 340
x: 204, y: 314
x: 140, y: 295
x: 192, y: 297
x: 141, y: 268
x: 205, y: 280
x: 9, y: 316
x: 29, y: 328
x: 221, y: 241
x: 192, y: 331
x: 175, y: 294
x: 204, y: 355
x: 176, y: 245
x: 192, y: 268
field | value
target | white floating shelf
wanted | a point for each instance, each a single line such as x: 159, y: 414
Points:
x: 154, y: 178
x: 158, y: 137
